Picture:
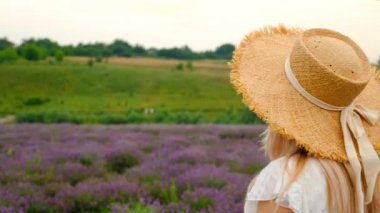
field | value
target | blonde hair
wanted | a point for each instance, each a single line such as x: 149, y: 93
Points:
x: 340, y: 189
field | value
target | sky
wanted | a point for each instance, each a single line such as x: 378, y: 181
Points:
x: 200, y: 24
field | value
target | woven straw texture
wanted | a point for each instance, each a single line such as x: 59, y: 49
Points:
x: 257, y: 72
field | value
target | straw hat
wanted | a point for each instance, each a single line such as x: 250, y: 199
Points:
x: 328, y: 65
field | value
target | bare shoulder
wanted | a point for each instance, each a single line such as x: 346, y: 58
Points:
x: 269, y: 206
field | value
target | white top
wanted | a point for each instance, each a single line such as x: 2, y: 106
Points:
x: 308, y: 194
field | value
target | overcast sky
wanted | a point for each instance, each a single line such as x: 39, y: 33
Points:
x: 201, y: 24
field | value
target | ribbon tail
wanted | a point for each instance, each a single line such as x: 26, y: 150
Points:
x: 352, y: 158
x: 370, y: 159
x: 371, y: 167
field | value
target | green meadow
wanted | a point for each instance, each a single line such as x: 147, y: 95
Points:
x: 120, y: 91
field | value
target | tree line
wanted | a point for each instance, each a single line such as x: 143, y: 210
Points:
x: 37, y: 49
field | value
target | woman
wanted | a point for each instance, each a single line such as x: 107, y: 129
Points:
x: 319, y: 95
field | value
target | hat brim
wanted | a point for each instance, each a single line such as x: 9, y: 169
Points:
x: 257, y: 72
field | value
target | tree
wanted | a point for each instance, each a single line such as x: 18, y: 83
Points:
x: 59, y: 55
x: 32, y: 52
x: 4, y: 44
x: 152, y: 52
x: 179, y: 53
x: 118, y: 47
x: 46, y: 46
x: 9, y: 55
x: 224, y: 51
x: 121, y: 48
x: 139, y: 50
x: 68, y: 49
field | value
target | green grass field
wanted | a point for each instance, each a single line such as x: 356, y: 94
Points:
x: 115, y: 87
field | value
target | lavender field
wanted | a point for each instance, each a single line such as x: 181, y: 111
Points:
x: 127, y: 168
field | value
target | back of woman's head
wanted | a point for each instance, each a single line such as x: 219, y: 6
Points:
x: 340, y: 188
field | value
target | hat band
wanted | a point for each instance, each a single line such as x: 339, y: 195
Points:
x: 351, y: 121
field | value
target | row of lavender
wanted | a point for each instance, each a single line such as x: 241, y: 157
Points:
x: 136, y: 168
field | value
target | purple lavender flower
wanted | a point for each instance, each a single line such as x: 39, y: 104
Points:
x: 174, y: 168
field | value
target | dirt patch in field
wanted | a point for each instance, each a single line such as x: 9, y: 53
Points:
x: 155, y: 62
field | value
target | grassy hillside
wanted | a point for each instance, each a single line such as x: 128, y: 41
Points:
x: 116, y: 86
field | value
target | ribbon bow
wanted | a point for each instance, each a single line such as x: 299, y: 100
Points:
x: 351, y: 121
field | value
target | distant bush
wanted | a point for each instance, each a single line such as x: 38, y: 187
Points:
x: 231, y: 115
x: 189, y: 65
x: 35, y: 101
x: 59, y: 55
x: 187, y: 117
x: 50, y: 61
x: 112, y: 119
x: 90, y: 62
x: 32, y: 52
x: 42, y: 117
x: 179, y: 66
x: 132, y: 116
x: 161, y: 115
x: 98, y: 59
x: 238, y: 115
x: 249, y: 117
x: 8, y: 55
x: 137, y: 116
